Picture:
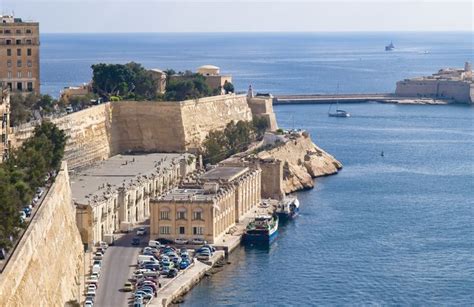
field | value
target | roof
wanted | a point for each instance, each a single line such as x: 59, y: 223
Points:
x: 116, y: 171
x: 227, y: 173
x: 208, y: 67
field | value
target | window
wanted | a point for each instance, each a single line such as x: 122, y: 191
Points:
x: 9, y: 52
x: 198, y: 230
x: 18, y: 74
x: 19, y: 86
x: 30, y: 63
x: 18, y: 31
x: 10, y: 85
x: 28, y: 52
x: 165, y: 230
x: 30, y: 86
x: 164, y: 215
x: 18, y: 63
x: 30, y: 76
x: 9, y: 75
x: 9, y: 42
x: 181, y: 214
x: 9, y: 63
x: 197, y: 214
x: 18, y: 52
x: 28, y: 41
x: 28, y: 31
x: 18, y: 41
x: 8, y: 31
x: 182, y: 230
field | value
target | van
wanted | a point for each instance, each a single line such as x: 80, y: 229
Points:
x: 155, y: 244
x: 145, y: 258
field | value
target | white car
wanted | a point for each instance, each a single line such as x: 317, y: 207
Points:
x: 141, y: 231
x: 98, y: 256
x: 198, y: 241
x: 90, y: 292
x: 181, y: 241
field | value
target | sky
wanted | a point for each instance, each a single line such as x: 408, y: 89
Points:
x: 104, y: 16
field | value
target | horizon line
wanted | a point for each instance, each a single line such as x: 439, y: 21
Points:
x: 271, y: 32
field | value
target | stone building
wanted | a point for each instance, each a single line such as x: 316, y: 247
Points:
x: 114, y: 195
x: 449, y: 83
x: 159, y: 77
x: 19, y: 55
x: 5, y: 116
x: 207, y: 208
x: 213, y: 77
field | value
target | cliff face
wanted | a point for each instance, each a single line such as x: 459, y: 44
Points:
x: 46, y: 266
x: 303, y: 161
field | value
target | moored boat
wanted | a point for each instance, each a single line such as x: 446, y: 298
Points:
x: 262, y: 230
x: 288, y: 208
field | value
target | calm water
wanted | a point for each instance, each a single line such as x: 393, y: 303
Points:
x: 277, y: 63
x: 396, y: 230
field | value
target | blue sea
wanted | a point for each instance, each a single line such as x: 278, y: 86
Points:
x: 391, y: 230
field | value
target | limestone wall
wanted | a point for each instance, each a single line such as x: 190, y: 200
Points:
x: 263, y: 107
x: 44, y: 269
x: 212, y: 113
x: 458, y: 91
x: 302, y: 161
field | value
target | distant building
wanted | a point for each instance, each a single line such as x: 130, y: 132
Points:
x: 160, y: 78
x: 19, y: 55
x: 75, y: 91
x: 213, y: 77
x: 448, y: 83
x: 207, y: 208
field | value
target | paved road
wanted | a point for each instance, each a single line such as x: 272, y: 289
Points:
x: 117, y: 266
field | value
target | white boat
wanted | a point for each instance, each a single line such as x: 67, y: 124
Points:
x: 339, y: 112
x: 288, y: 208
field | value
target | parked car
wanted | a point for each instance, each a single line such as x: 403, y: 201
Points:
x: 27, y: 211
x: 164, y: 241
x: 98, y: 256
x: 22, y: 216
x: 92, y: 279
x: 172, y: 273
x: 204, y: 255
x: 136, y: 241
x: 143, y: 294
x: 184, y: 264
x: 3, y: 254
x: 35, y: 199
x: 128, y: 287
x: 141, y: 231
x: 90, y: 292
x: 39, y: 192
x: 97, y: 262
x: 181, y: 241
x: 155, y: 244
x: 197, y: 241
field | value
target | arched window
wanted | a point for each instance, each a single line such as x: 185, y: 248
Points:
x: 165, y: 213
x: 181, y: 213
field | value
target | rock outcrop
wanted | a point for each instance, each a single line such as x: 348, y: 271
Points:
x: 303, y: 161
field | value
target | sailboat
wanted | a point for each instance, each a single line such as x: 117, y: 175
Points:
x: 339, y: 112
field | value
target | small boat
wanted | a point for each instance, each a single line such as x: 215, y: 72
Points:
x: 262, y: 230
x: 389, y: 47
x: 339, y: 112
x: 288, y: 208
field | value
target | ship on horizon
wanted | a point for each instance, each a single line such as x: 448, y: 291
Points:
x: 389, y: 47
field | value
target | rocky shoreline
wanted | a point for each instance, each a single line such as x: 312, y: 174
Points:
x: 303, y: 161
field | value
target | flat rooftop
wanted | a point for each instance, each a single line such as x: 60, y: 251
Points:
x: 112, y: 173
x: 226, y: 173
x: 181, y: 194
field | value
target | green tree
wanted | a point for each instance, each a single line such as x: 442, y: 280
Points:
x: 228, y: 87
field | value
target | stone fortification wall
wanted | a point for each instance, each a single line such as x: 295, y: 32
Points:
x: 44, y: 269
x: 88, y: 134
x: 263, y: 107
x: 211, y: 113
x: 458, y: 91
x: 302, y: 161
x: 147, y: 127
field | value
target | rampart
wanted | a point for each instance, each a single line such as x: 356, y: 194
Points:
x: 45, y: 267
x: 96, y: 133
x: 456, y: 90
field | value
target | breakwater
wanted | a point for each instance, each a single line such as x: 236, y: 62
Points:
x: 353, y: 98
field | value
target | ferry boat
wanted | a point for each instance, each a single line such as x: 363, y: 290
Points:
x: 389, y: 47
x: 288, y: 208
x: 262, y: 230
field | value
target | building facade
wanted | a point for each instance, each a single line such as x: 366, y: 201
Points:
x: 114, y: 195
x: 207, y: 208
x: 19, y: 55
